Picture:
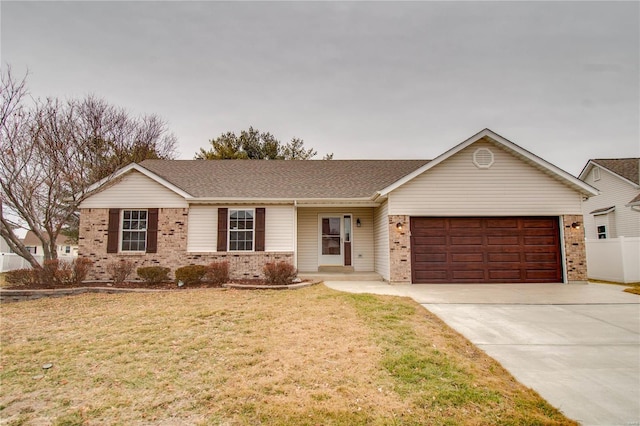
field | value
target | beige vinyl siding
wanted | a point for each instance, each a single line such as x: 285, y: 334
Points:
x: 202, y: 232
x: 308, y: 230
x: 136, y: 191
x: 616, y: 192
x: 279, y: 228
x: 381, y: 240
x: 511, y: 186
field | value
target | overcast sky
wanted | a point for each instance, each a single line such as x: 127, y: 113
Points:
x: 359, y: 79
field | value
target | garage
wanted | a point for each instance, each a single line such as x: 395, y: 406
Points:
x: 485, y: 250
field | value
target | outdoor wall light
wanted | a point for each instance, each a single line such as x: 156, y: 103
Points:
x: 575, y: 225
x: 358, y: 223
x: 399, y: 226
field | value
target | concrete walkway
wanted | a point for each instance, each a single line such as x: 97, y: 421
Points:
x: 577, y: 345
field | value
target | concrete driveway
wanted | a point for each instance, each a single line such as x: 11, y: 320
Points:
x: 577, y: 345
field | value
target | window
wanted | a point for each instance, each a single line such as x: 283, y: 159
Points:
x: 241, y: 230
x: 602, y: 232
x: 134, y: 230
x: 67, y: 249
x: 32, y: 249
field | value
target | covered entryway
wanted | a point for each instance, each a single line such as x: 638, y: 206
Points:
x: 334, y: 240
x: 485, y: 250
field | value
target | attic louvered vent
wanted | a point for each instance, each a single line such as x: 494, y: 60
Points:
x: 483, y: 158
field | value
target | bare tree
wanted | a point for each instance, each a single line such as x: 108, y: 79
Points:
x: 54, y: 150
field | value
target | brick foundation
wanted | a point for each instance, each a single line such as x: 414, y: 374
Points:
x: 172, y: 247
x: 574, y: 248
x: 399, y: 249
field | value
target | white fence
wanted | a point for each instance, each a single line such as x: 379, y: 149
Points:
x: 11, y: 261
x: 614, y: 259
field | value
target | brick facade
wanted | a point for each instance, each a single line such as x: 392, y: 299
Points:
x: 574, y: 248
x: 399, y: 249
x: 172, y: 247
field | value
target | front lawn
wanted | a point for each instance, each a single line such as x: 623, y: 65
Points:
x: 313, y: 356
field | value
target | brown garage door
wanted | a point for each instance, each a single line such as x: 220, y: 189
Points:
x: 485, y: 250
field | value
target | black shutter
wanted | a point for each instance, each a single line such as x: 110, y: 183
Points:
x: 222, y: 229
x: 260, y: 216
x: 152, y: 231
x: 113, y: 230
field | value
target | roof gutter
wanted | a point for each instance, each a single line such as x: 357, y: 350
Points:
x: 304, y: 202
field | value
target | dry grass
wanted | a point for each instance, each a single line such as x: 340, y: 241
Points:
x: 3, y: 284
x: 633, y: 290
x: 312, y: 356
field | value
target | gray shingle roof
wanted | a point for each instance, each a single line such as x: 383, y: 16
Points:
x: 281, y: 178
x: 625, y: 167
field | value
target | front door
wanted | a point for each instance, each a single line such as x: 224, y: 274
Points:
x: 334, y: 240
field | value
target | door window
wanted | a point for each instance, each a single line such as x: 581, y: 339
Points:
x: 331, y: 236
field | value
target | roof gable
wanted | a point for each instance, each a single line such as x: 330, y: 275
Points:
x: 516, y: 150
x: 106, y: 182
x: 627, y: 169
x: 32, y: 240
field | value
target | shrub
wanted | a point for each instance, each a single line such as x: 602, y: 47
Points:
x: 217, y: 273
x: 191, y: 274
x: 80, y: 267
x: 56, y: 273
x: 280, y: 273
x: 119, y: 270
x: 153, y: 274
x: 19, y: 277
x: 53, y: 273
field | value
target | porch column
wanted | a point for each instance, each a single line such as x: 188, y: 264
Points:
x: 575, y: 255
x: 399, y: 249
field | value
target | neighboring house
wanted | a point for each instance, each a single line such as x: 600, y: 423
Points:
x: 4, y: 247
x: 64, y: 247
x: 485, y: 211
x: 612, y: 219
x: 8, y: 259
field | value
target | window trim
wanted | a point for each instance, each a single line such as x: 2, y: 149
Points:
x: 122, y: 231
x: 230, y: 212
x: 596, y: 174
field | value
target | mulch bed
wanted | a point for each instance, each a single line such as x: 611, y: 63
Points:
x: 169, y: 285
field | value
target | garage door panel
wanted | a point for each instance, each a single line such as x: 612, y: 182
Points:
x: 465, y: 240
x: 539, y: 240
x: 474, y: 275
x: 540, y: 275
x: 467, y: 257
x: 502, y: 240
x: 504, y: 257
x: 430, y: 241
x: 502, y: 223
x: 501, y: 274
x: 433, y: 275
x: 537, y: 223
x: 466, y: 223
x: 431, y: 257
x: 431, y: 223
x: 492, y: 250
x: 541, y: 258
